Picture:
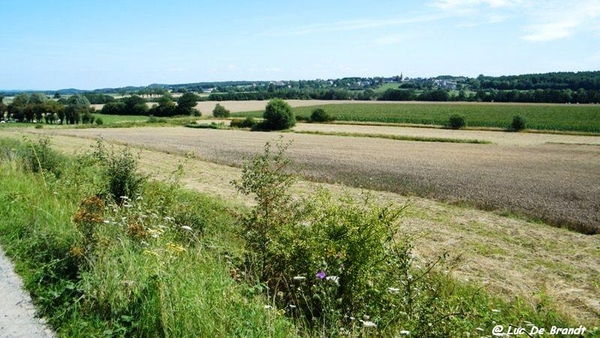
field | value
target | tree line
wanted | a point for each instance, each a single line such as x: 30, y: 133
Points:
x: 37, y: 107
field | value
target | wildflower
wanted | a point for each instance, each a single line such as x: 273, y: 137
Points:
x: 185, y: 227
x: 368, y: 323
x: 335, y: 279
x: 299, y: 278
x: 404, y: 333
x: 321, y: 274
x: 393, y: 290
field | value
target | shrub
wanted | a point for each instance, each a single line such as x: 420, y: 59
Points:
x: 120, y: 171
x: 518, y: 123
x: 99, y: 121
x: 456, y: 122
x: 320, y: 115
x: 40, y: 157
x: 327, y: 261
x: 278, y: 116
x: 220, y: 111
x: 248, y: 122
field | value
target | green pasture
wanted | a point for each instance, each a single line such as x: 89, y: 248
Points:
x: 580, y: 118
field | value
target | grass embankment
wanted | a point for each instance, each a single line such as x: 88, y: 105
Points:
x: 140, y: 273
x: 168, y: 262
x: 579, y: 118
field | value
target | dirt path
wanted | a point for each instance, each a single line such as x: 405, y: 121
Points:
x: 510, y: 256
x: 16, y: 310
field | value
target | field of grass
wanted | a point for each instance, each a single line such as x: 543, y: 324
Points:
x: 580, y: 118
x: 112, y: 119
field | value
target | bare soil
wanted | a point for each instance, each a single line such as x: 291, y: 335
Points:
x: 511, y: 256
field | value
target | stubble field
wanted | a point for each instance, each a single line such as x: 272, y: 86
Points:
x: 555, y: 183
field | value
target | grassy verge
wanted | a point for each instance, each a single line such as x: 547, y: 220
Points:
x: 398, y: 137
x: 167, y: 262
x: 146, y: 274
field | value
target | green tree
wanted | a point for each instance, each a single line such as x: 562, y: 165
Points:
x: 186, y: 103
x: 166, y: 107
x: 38, y: 98
x: 278, y: 115
x: 220, y: 111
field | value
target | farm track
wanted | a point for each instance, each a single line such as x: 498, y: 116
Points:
x: 513, y: 256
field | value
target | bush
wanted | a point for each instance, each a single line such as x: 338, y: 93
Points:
x: 220, y: 111
x: 518, y: 123
x: 120, y: 171
x: 99, y: 121
x: 248, y: 122
x: 320, y: 115
x: 40, y: 157
x: 328, y: 262
x: 456, y: 122
x: 278, y: 116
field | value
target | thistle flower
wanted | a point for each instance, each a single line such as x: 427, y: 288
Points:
x: 321, y: 274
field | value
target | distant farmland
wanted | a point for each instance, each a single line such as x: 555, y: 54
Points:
x: 581, y: 118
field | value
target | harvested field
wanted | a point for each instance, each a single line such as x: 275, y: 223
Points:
x: 511, y: 257
x: 496, y: 137
x: 556, y: 183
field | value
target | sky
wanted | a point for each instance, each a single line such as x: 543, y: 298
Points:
x: 90, y: 44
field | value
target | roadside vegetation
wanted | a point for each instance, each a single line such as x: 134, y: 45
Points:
x: 107, y: 252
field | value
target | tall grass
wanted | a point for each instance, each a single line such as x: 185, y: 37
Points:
x: 154, y: 270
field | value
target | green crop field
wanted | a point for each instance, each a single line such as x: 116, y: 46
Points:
x: 582, y: 118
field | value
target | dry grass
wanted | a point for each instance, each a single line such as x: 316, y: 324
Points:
x: 496, y: 137
x: 557, y: 183
x: 512, y: 257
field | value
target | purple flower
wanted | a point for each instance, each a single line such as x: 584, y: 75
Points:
x: 321, y: 274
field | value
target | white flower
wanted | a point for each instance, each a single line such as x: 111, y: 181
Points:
x: 299, y: 278
x: 393, y: 290
x: 368, y: 323
x: 404, y: 332
x: 335, y: 279
x: 185, y: 227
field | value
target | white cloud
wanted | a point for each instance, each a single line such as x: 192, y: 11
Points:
x: 541, y: 20
x: 352, y: 25
x: 558, y: 20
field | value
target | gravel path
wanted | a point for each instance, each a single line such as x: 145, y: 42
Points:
x: 17, y: 313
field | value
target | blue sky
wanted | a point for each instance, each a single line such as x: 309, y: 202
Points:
x: 90, y: 44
